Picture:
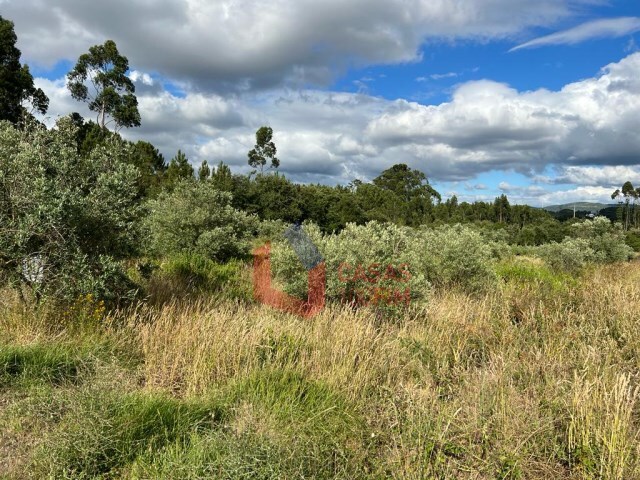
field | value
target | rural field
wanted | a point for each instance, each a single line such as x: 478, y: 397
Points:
x: 533, y: 379
x: 333, y: 240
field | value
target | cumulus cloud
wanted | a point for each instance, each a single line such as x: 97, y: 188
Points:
x: 606, y: 27
x: 586, y: 194
x: 241, y: 45
x: 335, y: 137
x: 600, y: 175
x: 488, y: 125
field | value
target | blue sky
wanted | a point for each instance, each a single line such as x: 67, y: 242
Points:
x: 538, y: 100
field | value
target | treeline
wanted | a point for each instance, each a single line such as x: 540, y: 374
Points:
x: 399, y: 195
x: 79, y: 204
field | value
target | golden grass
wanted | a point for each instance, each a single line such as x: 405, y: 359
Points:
x: 518, y: 383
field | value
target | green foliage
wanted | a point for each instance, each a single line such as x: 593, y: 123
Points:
x: 357, y: 259
x: 412, y: 189
x: 65, y: 219
x: 204, y: 172
x: 632, y: 238
x: 151, y: 168
x: 102, y: 434
x: 113, y: 92
x: 274, y: 197
x: 606, y: 239
x: 591, y: 241
x: 41, y: 363
x: 282, y: 426
x: 571, y: 255
x: 179, y: 169
x: 197, y: 218
x: 16, y: 82
x: 182, y: 275
x: 530, y: 271
x: 264, y: 150
x: 222, y: 178
x: 456, y: 255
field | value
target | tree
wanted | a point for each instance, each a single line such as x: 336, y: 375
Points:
x: 405, y: 182
x: 197, y: 218
x: 204, y: 172
x: 274, y: 197
x: 179, y: 169
x: 412, y: 188
x: 502, y: 209
x: 113, y: 92
x: 222, y: 178
x: 627, y: 194
x: 264, y: 150
x: 16, y: 82
x: 151, y: 168
x: 65, y: 219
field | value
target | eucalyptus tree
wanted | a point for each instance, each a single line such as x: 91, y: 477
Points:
x: 264, y: 150
x: 112, y: 93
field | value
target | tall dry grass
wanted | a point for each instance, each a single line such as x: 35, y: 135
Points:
x: 525, y: 381
x: 541, y: 383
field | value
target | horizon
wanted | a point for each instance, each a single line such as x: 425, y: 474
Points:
x: 538, y: 102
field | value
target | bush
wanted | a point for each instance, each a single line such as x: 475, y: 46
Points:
x: 596, y: 240
x: 456, y: 255
x: 606, y: 239
x: 372, y: 263
x: 632, y: 238
x: 195, y: 218
x: 571, y: 255
x: 67, y: 220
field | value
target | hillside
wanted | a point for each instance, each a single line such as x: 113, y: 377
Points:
x: 591, y: 206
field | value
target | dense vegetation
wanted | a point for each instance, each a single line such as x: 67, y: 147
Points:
x: 131, y: 345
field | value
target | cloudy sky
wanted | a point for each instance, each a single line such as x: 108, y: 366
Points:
x: 536, y: 99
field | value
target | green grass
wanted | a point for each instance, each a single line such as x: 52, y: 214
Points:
x: 105, y: 431
x: 55, y: 364
x: 534, y: 380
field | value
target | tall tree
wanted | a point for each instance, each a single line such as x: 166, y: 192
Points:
x: 626, y: 194
x: 405, y: 182
x: 16, y: 82
x: 412, y: 189
x: 151, y: 167
x: 502, y: 209
x: 112, y: 91
x: 179, y: 169
x: 264, y: 150
x: 222, y: 178
x: 204, y: 172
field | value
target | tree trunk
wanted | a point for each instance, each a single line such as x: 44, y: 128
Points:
x: 102, y: 115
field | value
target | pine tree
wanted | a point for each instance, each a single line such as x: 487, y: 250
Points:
x: 204, y: 172
x: 179, y: 169
x: 16, y: 82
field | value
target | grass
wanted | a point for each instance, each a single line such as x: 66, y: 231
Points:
x: 536, y: 379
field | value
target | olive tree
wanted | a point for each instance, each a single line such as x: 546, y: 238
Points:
x: 197, y: 218
x: 65, y: 218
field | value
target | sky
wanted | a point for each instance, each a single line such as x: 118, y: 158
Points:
x: 539, y: 100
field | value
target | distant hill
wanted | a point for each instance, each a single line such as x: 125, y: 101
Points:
x: 580, y: 206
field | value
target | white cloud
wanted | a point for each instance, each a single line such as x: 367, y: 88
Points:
x: 440, y: 76
x: 583, y: 194
x: 607, y: 27
x: 600, y: 175
x: 137, y: 76
x: 256, y: 44
x: 336, y: 137
x: 488, y: 125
